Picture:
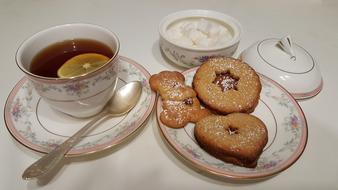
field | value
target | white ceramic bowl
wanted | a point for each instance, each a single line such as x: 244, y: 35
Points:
x: 188, y: 56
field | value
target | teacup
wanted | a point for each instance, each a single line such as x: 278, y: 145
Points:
x: 80, y: 96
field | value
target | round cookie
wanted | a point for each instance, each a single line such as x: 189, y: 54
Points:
x: 227, y: 85
x: 238, y: 138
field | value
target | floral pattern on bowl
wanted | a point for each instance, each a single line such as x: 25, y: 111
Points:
x: 287, y: 131
x: 188, y: 58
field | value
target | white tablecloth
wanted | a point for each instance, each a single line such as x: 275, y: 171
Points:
x: 146, y: 162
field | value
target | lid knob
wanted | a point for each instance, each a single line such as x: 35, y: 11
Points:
x: 286, y: 45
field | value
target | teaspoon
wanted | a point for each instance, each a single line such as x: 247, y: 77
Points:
x: 123, y: 100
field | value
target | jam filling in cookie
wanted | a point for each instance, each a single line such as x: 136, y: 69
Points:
x: 226, y: 81
x: 232, y: 130
x: 188, y: 101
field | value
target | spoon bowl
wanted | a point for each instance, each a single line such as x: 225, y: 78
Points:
x: 123, y: 100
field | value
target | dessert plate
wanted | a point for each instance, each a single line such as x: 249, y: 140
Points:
x: 39, y: 127
x: 287, y: 132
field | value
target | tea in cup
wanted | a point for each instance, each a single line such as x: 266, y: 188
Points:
x: 73, y: 67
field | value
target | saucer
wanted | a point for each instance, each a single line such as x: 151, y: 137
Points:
x: 39, y: 127
x: 287, y: 133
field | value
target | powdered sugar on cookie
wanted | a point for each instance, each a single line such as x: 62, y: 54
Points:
x: 179, y: 102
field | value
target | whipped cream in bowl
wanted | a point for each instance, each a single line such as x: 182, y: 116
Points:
x: 187, y: 38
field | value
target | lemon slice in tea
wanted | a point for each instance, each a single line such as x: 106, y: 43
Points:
x: 81, y: 64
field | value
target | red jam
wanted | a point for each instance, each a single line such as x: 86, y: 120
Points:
x: 232, y: 130
x: 188, y: 101
x: 226, y: 81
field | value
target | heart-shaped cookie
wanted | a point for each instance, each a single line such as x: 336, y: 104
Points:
x: 237, y: 138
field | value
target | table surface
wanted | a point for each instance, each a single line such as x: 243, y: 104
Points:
x: 146, y: 162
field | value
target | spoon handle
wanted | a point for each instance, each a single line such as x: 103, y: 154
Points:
x: 51, y: 160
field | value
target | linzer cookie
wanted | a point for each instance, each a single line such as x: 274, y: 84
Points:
x: 227, y: 85
x: 238, y: 138
x: 179, y: 102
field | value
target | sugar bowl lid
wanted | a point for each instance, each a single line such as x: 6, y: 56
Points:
x: 288, y: 64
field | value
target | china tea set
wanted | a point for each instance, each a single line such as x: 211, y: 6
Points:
x: 187, y: 39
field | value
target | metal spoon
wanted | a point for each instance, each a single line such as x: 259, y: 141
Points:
x: 121, y: 103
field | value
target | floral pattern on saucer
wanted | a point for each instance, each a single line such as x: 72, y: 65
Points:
x: 287, y: 129
x: 33, y: 123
